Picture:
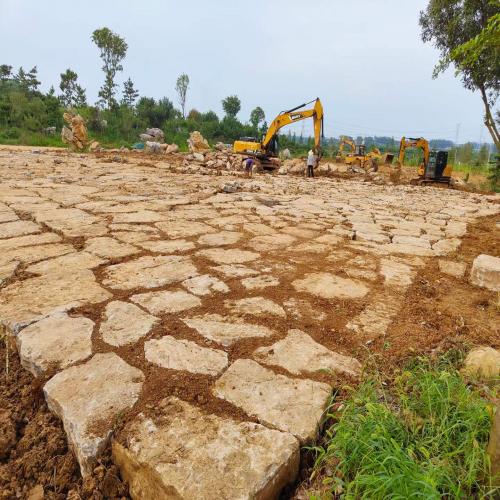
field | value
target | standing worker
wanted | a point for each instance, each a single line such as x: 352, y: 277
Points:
x: 248, y: 166
x: 311, y: 163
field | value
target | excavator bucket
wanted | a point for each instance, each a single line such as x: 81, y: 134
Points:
x: 387, y: 158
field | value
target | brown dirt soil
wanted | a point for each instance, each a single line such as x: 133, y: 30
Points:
x: 33, y: 447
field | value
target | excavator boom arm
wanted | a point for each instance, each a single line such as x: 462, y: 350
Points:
x: 295, y: 115
x: 420, y: 142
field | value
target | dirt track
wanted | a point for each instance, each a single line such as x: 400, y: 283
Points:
x: 352, y: 265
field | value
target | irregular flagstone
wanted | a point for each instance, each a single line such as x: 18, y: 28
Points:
x: 259, y: 282
x: 298, y: 353
x: 452, y: 268
x: 28, y: 241
x: 167, y: 246
x: 169, y: 352
x: 7, y: 271
x: 205, y: 285
x: 18, y: 228
x: 166, y: 302
x: 220, y: 239
x: 229, y: 256
x: 184, y: 228
x: 329, y: 286
x: 300, y: 232
x: 444, y: 247
x: 258, y: 228
x: 133, y: 237
x: 256, y: 306
x: 225, y: 331
x: 57, y: 341
x: 140, y: 216
x: 269, y: 242
x: 230, y: 460
x: 24, y: 302
x: 235, y: 270
x: 88, y: 398
x: 36, y: 253
x: 396, y: 274
x: 310, y: 247
x: 69, y: 261
x: 109, y: 248
x: 125, y: 323
x: 149, y: 272
x: 291, y: 405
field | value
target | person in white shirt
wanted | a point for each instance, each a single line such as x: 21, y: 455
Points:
x: 311, y: 163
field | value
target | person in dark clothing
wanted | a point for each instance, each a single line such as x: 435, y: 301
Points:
x: 249, y: 162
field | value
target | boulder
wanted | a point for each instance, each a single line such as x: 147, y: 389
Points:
x: 152, y: 147
x: 172, y: 148
x: 486, y: 272
x: 157, y: 134
x: 483, y: 363
x: 197, y: 143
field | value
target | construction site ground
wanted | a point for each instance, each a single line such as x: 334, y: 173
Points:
x: 175, y: 334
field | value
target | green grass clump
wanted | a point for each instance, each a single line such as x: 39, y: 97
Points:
x: 425, y: 438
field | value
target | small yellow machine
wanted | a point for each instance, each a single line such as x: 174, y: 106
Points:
x: 358, y: 156
x: 267, y: 149
x: 434, y: 167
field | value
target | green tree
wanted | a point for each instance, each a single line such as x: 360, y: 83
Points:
x: 231, y: 106
x: 5, y: 72
x: 466, y: 32
x: 113, y: 49
x: 28, y: 80
x: 482, y: 155
x: 209, y: 116
x: 256, y: 116
x: 73, y: 94
x: 130, y: 94
x: 465, y: 153
x: 194, y: 115
x: 155, y: 113
x: 181, y: 87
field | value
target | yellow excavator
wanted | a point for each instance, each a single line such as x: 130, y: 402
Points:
x: 434, y: 167
x: 358, y: 156
x: 266, y: 150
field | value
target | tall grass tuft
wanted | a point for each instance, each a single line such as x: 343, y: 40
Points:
x: 425, y: 438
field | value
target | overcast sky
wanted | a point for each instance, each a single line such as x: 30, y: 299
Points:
x: 363, y: 58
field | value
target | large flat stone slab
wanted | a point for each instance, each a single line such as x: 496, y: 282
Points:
x: 220, y: 239
x: 184, y: 453
x: 226, y: 331
x: 259, y: 282
x: 255, y: 306
x: 329, y: 286
x: 35, y: 253
x: 228, y: 256
x: 167, y: 246
x: 18, y: 228
x: 24, y: 302
x: 88, y: 398
x: 55, y: 342
x: 184, y: 228
x: 124, y: 323
x: 149, y: 272
x: 69, y: 261
x: 298, y: 353
x: 109, y: 248
x: 205, y: 285
x: 486, y: 272
x: 169, y: 352
x: 287, y: 404
x: 166, y: 302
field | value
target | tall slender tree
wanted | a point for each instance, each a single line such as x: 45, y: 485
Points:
x: 130, y: 94
x: 73, y: 94
x: 231, y: 105
x: 113, y: 49
x: 181, y: 87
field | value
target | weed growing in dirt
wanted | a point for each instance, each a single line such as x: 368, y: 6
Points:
x: 425, y: 437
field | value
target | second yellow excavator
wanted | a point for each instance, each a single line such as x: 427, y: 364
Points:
x: 267, y: 149
x: 358, y: 155
x: 434, y: 167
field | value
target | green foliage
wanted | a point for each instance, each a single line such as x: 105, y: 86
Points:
x: 424, y: 438
x: 28, y: 80
x: 181, y: 87
x: 231, y: 106
x: 256, y: 116
x: 130, y: 94
x: 154, y: 113
x: 113, y: 49
x: 73, y: 95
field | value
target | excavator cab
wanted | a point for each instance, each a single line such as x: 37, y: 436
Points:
x: 360, y: 150
x: 435, y: 168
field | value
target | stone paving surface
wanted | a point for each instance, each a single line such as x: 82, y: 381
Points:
x: 120, y: 277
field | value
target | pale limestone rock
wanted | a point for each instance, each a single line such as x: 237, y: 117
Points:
x: 88, y: 398
x: 28, y: 241
x: 452, y: 268
x: 329, y: 286
x: 184, y: 228
x: 220, y: 239
x: 270, y: 398
x: 124, y: 323
x: 7, y: 271
x: 259, y: 282
x: 24, y: 302
x: 258, y: 228
x: 300, y: 232
x: 205, y: 285
x: 18, y: 228
x: 139, y: 216
x: 109, y: 248
x: 225, y: 331
x: 228, y: 256
x: 235, y: 270
x: 298, y: 353
x: 486, y: 272
x: 396, y: 274
x: 74, y: 260
x: 149, y: 272
x: 411, y: 240
x: 405, y: 249
x: 167, y: 246
x: 310, y: 247
x: 483, y: 362
x: 230, y: 460
x: 174, y: 354
x: 375, y: 237
x: 255, y: 306
x: 270, y: 242
x: 28, y: 255
x: 329, y: 239
x: 444, y: 247
x: 166, y: 302
x: 57, y: 341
